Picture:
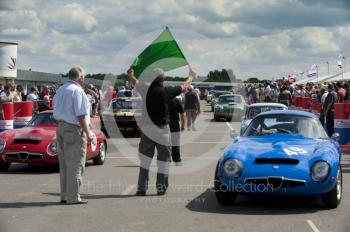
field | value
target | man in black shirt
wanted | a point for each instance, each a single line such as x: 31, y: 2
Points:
x: 328, y: 109
x: 155, y: 127
x: 192, y: 108
x: 347, y: 92
x: 285, y: 97
x: 176, y: 109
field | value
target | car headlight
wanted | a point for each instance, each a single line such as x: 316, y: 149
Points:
x: 2, y: 145
x: 232, y: 168
x: 52, y: 148
x: 320, y: 170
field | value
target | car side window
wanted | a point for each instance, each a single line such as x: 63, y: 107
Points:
x: 269, y: 122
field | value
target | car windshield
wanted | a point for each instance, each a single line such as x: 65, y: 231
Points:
x: 254, y: 111
x: 218, y: 94
x: 230, y: 98
x: 42, y: 119
x: 119, y: 104
x: 290, y: 124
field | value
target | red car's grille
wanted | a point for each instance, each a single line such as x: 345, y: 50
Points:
x: 23, y: 156
x: 26, y: 141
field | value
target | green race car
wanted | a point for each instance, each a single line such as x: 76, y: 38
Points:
x: 229, y: 106
x: 215, y: 97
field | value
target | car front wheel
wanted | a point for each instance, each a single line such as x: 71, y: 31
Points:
x: 223, y: 194
x: 4, y: 166
x: 216, y: 118
x: 101, y: 157
x: 332, y: 199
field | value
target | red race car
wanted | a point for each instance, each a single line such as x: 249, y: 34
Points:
x: 36, y: 143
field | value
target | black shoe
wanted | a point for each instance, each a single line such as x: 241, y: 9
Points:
x: 140, y: 193
x: 161, y: 193
x: 63, y: 202
x: 81, y: 202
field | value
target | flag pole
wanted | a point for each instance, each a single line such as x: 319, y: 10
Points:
x: 342, y: 69
x: 317, y: 73
x: 342, y: 74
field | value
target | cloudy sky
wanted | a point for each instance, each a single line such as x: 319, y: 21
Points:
x: 269, y: 38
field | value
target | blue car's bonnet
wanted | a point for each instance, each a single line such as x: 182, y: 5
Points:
x: 278, y: 145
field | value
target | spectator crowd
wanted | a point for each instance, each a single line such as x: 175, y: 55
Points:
x: 284, y: 92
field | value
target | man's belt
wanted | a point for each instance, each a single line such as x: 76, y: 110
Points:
x: 61, y: 121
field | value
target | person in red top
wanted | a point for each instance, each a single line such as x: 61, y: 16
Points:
x: 114, y: 94
x: 45, y: 92
x: 341, y: 92
x: 108, y: 95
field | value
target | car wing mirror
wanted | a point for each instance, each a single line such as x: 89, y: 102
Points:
x: 335, y: 136
x: 233, y: 134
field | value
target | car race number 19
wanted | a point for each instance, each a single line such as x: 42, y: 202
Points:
x: 294, y: 151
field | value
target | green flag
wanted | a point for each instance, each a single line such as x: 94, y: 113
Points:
x: 163, y: 52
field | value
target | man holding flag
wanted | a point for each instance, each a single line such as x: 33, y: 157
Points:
x: 164, y: 54
x: 340, y: 61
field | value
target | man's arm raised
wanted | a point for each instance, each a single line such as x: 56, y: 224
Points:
x: 192, y: 75
x: 132, y: 77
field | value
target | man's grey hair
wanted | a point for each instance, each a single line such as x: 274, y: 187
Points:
x: 157, y: 72
x: 75, y: 72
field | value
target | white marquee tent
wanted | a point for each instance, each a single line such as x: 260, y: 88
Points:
x: 327, y: 78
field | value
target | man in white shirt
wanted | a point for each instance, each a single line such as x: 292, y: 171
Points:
x: 32, y: 96
x: 72, y: 111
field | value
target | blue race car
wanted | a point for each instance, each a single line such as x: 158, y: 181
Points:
x: 283, y: 152
x: 257, y: 108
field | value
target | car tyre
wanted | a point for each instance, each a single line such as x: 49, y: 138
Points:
x: 216, y: 118
x: 222, y: 193
x: 101, y: 157
x: 332, y: 199
x: 4, y: 166
x: 229, y: 119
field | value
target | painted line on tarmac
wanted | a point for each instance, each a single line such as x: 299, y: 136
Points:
x: 136, y: 144
x: 312, y: 225
x: 205, y: 142
x: 129, y: 190
x: 217, y: 125
x: 201, y: 131
x: 188, y: 157
x: 229, y: 125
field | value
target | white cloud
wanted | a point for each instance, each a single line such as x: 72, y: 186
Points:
x: 261, y: 37
x: 229, y: 28
x: 23, y: 20
x: 16, y: 31
x: 18, y: 4
x: 316, y: 40
x: 72, y: 18
x: 343, y: 31
x: 191, y: 18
